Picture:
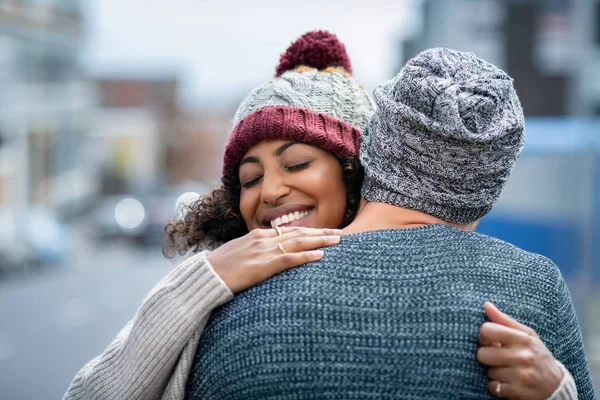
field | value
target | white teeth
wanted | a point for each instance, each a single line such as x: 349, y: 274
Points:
x: 285, y: 219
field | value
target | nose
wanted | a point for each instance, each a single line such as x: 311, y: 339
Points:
x: 273, y: 188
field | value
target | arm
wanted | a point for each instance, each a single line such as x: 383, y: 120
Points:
x: 151, y: 356
x: 139, y: 362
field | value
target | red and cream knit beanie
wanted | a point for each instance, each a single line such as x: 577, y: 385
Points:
x: 313, y: 99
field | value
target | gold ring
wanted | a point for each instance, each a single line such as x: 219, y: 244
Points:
x: 278, y: 231
x: 499, y: 388
x: 281, y: 248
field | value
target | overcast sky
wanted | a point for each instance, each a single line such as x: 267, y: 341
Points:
x: 222, y: 49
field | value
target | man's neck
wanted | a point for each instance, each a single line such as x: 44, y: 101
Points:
x: 374, y: 216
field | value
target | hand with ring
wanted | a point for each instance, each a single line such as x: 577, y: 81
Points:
x: 262, y: 253
x: 519, y: 364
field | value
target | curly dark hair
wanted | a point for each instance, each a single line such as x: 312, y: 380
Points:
x: 215, y: 217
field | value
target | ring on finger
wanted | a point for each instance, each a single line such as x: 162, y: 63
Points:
x: 499, y: 388
x: 278, y: 231
x: 281, y: 248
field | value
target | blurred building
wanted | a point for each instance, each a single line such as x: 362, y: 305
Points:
x: 550, y: 47
x: 135, y: 121
x: 149, y: 141
x: 44, y: 104
x: 208, y: 133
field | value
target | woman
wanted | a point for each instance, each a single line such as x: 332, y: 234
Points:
x: 290, y: 161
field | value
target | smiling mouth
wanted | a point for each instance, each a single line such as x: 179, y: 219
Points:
x: 290, y: 217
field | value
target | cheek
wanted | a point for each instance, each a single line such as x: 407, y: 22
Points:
x: 330, y: 192
x: 334, y: 204
x: 248, y: 206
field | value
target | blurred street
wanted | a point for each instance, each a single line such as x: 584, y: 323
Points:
x: 106, y: 126
x: 57, y: 319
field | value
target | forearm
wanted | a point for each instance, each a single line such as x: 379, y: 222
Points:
x: 138, y: 364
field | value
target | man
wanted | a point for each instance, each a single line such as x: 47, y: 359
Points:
x: 394, y: 310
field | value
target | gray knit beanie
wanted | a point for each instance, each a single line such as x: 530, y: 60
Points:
x: 444, y: 140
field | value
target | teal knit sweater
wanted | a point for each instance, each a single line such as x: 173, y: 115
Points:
x: 385, y: 314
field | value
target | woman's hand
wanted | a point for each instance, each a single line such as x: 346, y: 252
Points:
x: 262, y: 253
x: 519, y: 364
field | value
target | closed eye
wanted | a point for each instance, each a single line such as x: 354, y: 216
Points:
x: 298, y: 167
x: 251, y: 182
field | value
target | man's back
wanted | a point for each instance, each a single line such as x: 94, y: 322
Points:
x: 386, y: 314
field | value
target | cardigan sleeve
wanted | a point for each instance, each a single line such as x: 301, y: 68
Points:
x: 566, y: 390
x: 140, y: 362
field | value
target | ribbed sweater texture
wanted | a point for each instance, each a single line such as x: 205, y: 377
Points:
x: 384, y: 315
x: 152, y: 356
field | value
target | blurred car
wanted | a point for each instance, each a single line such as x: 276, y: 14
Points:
x: 139, y: 218
x: 35, y: 238
x: 119, y: 216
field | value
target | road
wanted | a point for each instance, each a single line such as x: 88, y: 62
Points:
x: 55, y: 320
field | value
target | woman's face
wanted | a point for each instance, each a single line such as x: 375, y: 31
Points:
x: 285, y: 183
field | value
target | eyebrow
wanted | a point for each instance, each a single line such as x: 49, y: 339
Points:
x: 279, y: 151
x: 251, y: 159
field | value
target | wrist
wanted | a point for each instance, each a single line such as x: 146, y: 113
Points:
x: 555, y: 378
x: 566, y: 389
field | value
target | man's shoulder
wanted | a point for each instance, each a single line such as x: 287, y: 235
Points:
x: 443, y: 239
x: 510, y: 249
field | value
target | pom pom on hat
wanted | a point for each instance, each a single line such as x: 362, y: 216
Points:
x: 317, y: 49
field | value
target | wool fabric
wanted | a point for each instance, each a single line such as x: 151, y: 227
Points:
x: 313, y: 105
x: 447, y: 133
x: 389, y: 314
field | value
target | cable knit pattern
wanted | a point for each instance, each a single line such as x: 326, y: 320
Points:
x: 385, y: 314
x: 321, y: 92
x: 444, y: 140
